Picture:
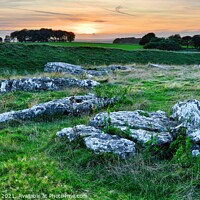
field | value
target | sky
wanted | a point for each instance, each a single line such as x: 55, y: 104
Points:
x: 102, y: 19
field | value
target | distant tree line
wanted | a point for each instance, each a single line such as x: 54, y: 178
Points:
x: 173, y: 42
x: 42, y: 35
x: 129, y: 40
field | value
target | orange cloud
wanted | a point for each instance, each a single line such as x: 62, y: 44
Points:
x: 101, y: 16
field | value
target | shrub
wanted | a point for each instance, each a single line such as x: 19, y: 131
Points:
x: 181, y: 149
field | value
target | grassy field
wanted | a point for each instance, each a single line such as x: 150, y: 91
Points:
x: 20, y: 58
x: 34, y: 161
x: 128, y: 47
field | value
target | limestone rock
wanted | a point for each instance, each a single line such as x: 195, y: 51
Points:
x: 116, y: 67
x: 78, y: 70
x: 99, y: 141
x: 63, y: 67
x: 72, y: 69
x: 195, y: 153
x: 143, y: 126
x: 144, y: 136
x: 75, y: 105
x: 158, y: 66
x: 80, y: 130
x: 188, y: 115
x: 100, y: 72
x: 42, y: 84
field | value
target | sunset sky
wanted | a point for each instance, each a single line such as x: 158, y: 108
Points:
x: 103, y: 18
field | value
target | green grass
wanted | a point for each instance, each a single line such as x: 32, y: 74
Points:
x: 20, y: 58
x: 128, y: 47
x: 34, y: 161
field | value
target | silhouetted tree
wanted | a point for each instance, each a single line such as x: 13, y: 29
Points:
x: 7, y: 38
x: 58, y: 35
x: 42, y: 35
x: 70, y: 36
x: 147, y: 38
x: 196, y: 41
x: 1, y: 39
x: 21, y: 36
x: 186, y: 40
x: 176, y: 38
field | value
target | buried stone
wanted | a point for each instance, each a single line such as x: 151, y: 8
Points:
x: 158, y: 66
x: 98, y: 141
x: 37, y: 84
x: 142, y: 126
x: 75, y: 105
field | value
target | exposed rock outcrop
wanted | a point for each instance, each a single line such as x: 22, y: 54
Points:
x: 78, y: 70
x: 99, y: 141
x: 38, y: 84
x: 142, y: 126
x: 75, y: 105
x: 187, y: 115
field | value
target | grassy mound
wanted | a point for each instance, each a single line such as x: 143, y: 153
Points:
x: 31, y: 58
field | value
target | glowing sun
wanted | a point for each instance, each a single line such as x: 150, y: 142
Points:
x: 86, y: 29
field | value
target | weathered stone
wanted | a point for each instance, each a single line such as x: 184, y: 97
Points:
x: 77, y: 131
x: 144, y: 136
x: 78, y: 70
x: 188, y: 115
x: 72, y: 69
x: 156, y: 121
x: 63, y: 67
x: 197, y: 66
x: 158, y: 66
x: 101, y: 72
x: 99, y: 141
x: 195, y: 153
x: 143, y: 126
x: 37, y: 84
x: 75, y: 105
x: 116, y: 67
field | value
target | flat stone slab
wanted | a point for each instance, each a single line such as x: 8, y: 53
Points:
x: 158, y: 66
x: 78, y: 70
x: 43, y: 84
x: 74, y: 105
x: 63, y: 67
x: 72, y: 69
x: 98, y: 141
x: 142, y: 126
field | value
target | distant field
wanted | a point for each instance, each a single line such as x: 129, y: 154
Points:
x: 87, y: 44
